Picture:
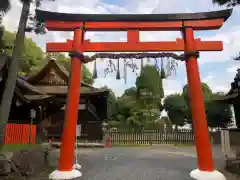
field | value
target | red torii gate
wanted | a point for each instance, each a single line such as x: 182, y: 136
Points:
x: 187, y: 23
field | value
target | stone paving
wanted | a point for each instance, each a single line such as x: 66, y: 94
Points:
x: 137, y: 163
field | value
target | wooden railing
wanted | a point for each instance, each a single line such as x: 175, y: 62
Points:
x: 183, y: 137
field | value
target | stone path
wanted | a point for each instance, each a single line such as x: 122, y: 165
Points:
x: 137, y: 163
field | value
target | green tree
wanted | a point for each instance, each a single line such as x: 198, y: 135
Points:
x: 2, y: 42
x: 125, y: 105
x: 131, y: 114
x: 229, y: 3
x: 66, y: 62
x: 141, y: 105
x: 219, y: 114
x: 5, y: 6
x: 31, y: 57
x: 149, y: 87
x: 87, y: 75
x: 176, y: 108
x: 207, y: 94
x: 150, y: 80
x: 130, y: 92
x: 111, y: 106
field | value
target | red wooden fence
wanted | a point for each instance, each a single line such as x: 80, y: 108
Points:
x: 19, y: 134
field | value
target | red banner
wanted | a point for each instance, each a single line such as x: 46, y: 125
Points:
x: 19, y: 134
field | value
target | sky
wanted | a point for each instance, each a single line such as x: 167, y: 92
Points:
x: 217, y: 69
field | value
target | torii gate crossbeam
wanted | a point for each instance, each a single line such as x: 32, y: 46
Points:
x: 186, y: 23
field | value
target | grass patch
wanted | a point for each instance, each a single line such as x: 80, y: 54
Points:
x: 148, y: 145
x: 131, y: 145
x: 184, y: 145
x: 18, y: 147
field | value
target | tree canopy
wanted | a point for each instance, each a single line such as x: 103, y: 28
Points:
x: 207, y: 93
x: 33, y: 58
x: 4, y: 8
x: 66, y: 62
x: 176, y: 107
x: 218, y: 114
x: 139, y: 107
x: 32, y: 55
x: 150, y: 80
x: 229, y: 3
x: 111, y: 105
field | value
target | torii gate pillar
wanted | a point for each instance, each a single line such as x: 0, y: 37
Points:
x: 65, y: 164
x: 205, y: 169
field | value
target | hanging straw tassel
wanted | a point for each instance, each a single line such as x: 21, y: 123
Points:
x: 95, y: 70
x: 118, y: 77
x: 141, y: 72
x: 163, y: 74
x: 125, y: 72
x: 156, y: 64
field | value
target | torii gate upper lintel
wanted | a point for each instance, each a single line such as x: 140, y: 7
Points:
x: 187, y: 23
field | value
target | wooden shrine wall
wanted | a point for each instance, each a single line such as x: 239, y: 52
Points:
x: 91, y: 128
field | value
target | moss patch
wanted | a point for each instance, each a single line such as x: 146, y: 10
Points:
x: 18, y: 147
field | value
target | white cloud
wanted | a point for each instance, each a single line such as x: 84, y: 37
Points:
x: 111, y: 82
x: 233, y: 69
x: 208, y: 78
x: 219, y: 84
x: 171, y: 87
x: 231, y: 46
x: 230, y: 35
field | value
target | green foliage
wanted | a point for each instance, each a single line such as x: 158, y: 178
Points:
x: 218, y: 114
x: 132, y: 92
x: 149, y: 87
x: 176, y: 108
x: 33, y: 25
x: 111, y: 105
x: 66, y: 63
x: 33, y: 58
x: 2, y: 42
x: 32, y: 55
x: 150, y: 80
x: 228, y: 3
x: 5, y: 7
x: 87, y: 75
x: 207, y: 94
x: 236, y: 106
x: 139, y: 108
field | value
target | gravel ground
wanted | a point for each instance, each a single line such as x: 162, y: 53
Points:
x: 137, y: 163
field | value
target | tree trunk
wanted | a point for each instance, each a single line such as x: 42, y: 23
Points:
x: 13, y: 70
x: 176, y: 128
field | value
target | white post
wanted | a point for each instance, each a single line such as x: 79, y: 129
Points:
x: 78, y: 134
x: 32, y: 116
x: 226, y: 145
x: 233, y: 116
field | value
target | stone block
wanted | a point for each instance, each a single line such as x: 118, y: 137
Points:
x: 233, y: 166
x: 5, y: 166
x: 29, y: 161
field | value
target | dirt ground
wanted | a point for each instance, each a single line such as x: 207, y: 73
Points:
x: 137, y: 163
